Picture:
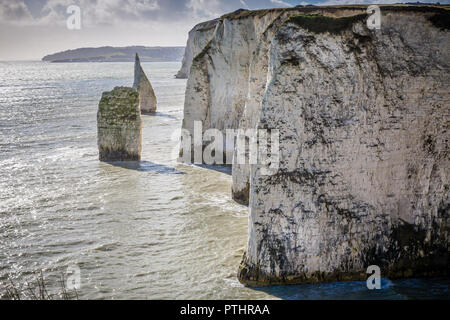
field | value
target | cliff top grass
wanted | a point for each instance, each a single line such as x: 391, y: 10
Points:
x: 206, y: 25
x: 319, y: 24
x: 241, y: 13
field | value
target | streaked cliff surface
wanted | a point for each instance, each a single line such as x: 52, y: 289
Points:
x: 364, y: 137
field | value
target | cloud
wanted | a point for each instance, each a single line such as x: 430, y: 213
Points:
x: 204, y: 9
x: 244, y: 4
x: 115, y: 12
x: 100, y: 12
x: 14, y: 11
x: 281, y: 3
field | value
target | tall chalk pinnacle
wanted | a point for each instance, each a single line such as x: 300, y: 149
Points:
x: 147, y: 98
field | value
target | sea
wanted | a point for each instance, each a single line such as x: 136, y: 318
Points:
x: 154, y: 229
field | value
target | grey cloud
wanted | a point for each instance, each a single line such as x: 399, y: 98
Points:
x: 113, y: 12
x: 13, y: 11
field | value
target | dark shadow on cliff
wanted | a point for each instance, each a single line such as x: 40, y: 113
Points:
x: 159, y: 114
x: 434, y: 288
x: 145, y: 166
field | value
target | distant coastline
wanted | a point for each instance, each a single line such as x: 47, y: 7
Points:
x: 118, y: 54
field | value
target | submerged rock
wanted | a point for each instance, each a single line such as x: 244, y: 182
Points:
x: 147, y: 98
x: 119, y: 125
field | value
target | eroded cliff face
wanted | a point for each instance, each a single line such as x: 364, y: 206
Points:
x: 218, y: 81
x: 198, y: 38
x: 228, y: 77
x: 364, y: 119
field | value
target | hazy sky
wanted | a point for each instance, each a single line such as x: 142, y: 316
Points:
x: 30, y: 29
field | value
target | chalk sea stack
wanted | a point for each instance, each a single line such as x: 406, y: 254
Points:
x: 119, y: 125
x: 147, y: 98
x: 363, y: 117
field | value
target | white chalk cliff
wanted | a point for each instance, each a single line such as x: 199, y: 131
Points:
x: 147, y: 97
x: 364, y: 121
x: 199, y: 36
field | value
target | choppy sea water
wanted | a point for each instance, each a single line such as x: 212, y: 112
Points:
x: 150, y: 230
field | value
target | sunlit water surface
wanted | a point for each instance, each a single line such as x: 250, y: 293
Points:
x: 150, y: 230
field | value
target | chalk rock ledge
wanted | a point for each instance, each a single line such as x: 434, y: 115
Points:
x: 119, y: 125
x: 147, y: 97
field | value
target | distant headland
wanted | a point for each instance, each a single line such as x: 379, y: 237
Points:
x: 118, y: 54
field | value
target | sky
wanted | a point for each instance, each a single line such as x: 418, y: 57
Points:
x: 31, y: 29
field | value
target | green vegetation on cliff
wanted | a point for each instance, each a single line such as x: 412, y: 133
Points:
x: 320, y: 24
